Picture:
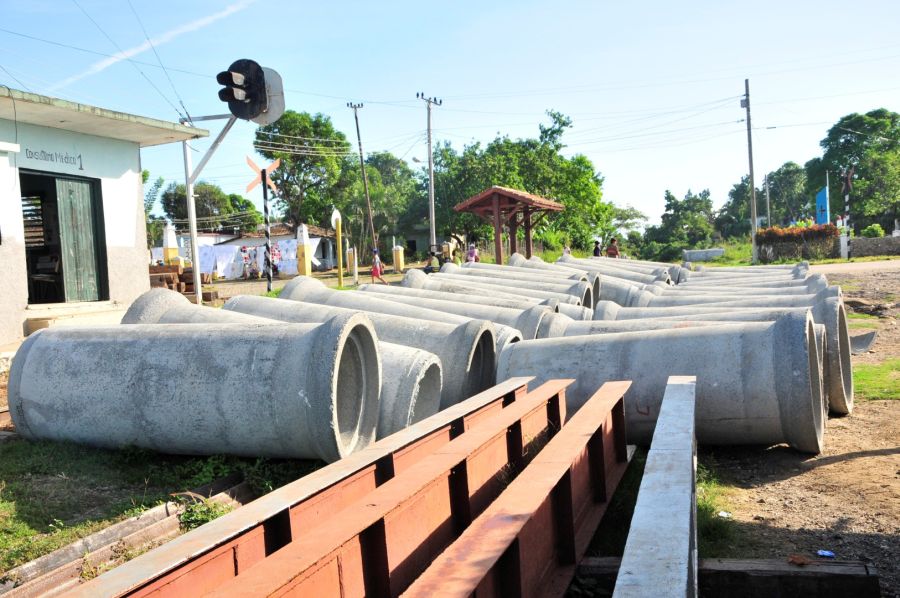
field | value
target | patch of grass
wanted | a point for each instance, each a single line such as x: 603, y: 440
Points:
x: 713, y: 532
x: 866, y: 325
x: 200, y: 512
x: 273, y: 293
x: 737, y: 253
x: 52, y: 494
x: 854, y: 315
x: 877, y: 381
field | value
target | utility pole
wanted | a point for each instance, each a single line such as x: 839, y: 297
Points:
x: 362, y: 166
x: 768, y: 206
x: 745, y: 103
x: 433, y: 237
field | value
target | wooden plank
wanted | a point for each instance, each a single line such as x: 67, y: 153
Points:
x: 246, y: 536
x: 166, y: 269
x: 378, y: 545
x: 750, y: 578
x: 528, y: 542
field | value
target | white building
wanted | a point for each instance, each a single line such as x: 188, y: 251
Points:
x: 72, y: 225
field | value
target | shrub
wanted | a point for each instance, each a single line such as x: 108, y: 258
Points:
x: 802, y: 232
x: 873, y: 231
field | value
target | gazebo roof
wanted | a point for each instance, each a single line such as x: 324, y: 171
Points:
x: 511, y: 200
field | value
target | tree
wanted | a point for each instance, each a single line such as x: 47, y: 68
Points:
x: 313, y: 156
x: 686, y: 224
x: 215, y: 209
x: 627, y: 219
x: 155, y: 224
x: 788, y: 196
x: 878, y: 194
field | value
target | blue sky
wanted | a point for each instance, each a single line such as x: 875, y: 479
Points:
x: 653, y: 88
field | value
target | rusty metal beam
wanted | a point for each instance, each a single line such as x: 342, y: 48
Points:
x: 381, y: 543
x: 214, y: 553
x: 530, y: 540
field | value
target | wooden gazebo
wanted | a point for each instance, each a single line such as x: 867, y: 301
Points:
x: 514, y: 208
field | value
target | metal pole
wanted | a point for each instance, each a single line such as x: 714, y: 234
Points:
x: 263, y: 175
x: 768, y: 207
x: 362, y: 166
x: 340, y: 251
x: 432, y: 236
x: 192, y: 220
x: 746, y: 104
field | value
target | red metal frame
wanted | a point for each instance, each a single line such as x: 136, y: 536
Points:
x: 381, y: 543
x: 215, y: 553
x: 529, y: 541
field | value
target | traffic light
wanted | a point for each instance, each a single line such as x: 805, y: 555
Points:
x: 252, y: 92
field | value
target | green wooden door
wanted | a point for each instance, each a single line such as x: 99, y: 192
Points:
x: 78, y: 240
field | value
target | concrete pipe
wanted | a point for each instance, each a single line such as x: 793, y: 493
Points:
x: 647, y: 299
x: 466, y: 351
x: 813, y: 283
x: 797, y: 270
x: 676, y: 272
x: 739, y: 290
x: 519, y: 303
x: 661, y: 271
x: 310, y: 290
x: 583, y: 291
x: 565, y: 304
x: 560, y: 277
x: 517, y: 260
x: 830, y: 313
x: 528, y: 321
x: 603, y: 268
x: 453, y: 283
x: 410, y: 390
x: 757, y: 382
x: 291, y: 391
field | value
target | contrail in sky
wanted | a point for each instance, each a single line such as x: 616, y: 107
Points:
x: 166, y: 37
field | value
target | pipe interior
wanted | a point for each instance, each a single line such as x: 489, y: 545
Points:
x: 844, y: 348
x: 427, y: 396
x: 353, y: 382
x: 480, y: 371
x: 815, y: 381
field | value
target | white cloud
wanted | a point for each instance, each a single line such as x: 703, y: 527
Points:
x: 166, y: 37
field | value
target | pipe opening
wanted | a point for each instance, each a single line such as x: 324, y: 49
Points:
x: 357, y: 390
x: 427, y: 395
x: 819, y: 406
x: 844, y: 348
x: 481, y: 366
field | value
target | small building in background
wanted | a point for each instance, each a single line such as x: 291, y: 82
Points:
x: 73, y: 235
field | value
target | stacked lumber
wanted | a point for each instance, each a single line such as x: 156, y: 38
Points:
x: 178, y: 278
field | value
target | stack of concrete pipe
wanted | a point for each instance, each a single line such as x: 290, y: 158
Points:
x: 244, y: 388
x: 409, y: 394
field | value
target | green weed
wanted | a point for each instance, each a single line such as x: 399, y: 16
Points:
x: 877, y: 381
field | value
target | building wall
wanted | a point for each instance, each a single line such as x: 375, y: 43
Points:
x: 117, y: 165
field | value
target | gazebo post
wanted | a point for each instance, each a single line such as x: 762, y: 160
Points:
x: 513, y: 231
x: 529, y: 246
x: 498, y: 228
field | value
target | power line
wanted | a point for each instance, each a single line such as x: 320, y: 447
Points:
x: 122, y: 53
x: 14, y: 78
x: 158, y: 59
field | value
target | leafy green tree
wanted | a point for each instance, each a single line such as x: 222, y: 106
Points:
x: 313, y: 156
x: 155, y: 224
x: 878, y: 194
x: 686, y: 224
x: 788, y: 196
x: 215, y: 209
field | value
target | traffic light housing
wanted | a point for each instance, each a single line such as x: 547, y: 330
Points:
x: 245, y: 89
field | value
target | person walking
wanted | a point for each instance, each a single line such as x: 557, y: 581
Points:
x: 596, y: 248
x: 472, y: 254
x: 613, y: 249
x: 377, y: 267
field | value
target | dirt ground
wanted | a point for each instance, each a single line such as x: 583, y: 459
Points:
x: 846, y: 500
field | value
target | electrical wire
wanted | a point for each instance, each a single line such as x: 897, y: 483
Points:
x: 131, y: 62
x: 14, y: 78
x: 158, y: 59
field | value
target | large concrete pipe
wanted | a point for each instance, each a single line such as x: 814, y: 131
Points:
x: 740, y: 290
x: 603, y: 268
x: 661, y: 271
x: 410, y: 392
x: 830, y: 313
x: 558, y: 276
x: 757, y: 382
x: 468, y: 284
x: 648, y: 299
x: 310, y: 290
x: 677, y: 273
x: 812, y: 284
x: 466, y: 351
x: 579, y: 289
x: 300, y: 391
x: 796, y: 270
x: 528, y: 321
x: 519, y: 303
